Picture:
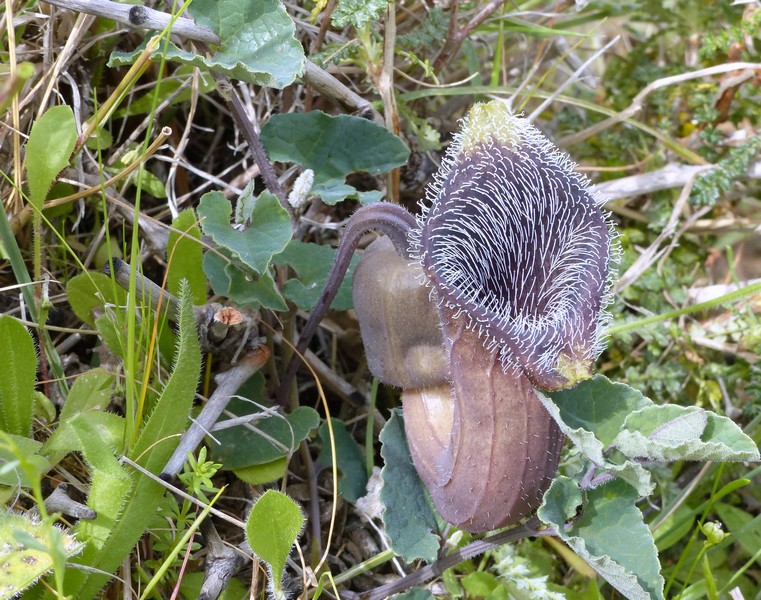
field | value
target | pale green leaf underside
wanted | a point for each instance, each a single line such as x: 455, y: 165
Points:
x: 258, y: 43
x: 669, y: 433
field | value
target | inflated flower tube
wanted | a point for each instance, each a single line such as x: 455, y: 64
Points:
x: 484, y: 445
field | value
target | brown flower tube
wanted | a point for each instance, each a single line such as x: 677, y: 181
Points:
x: 516, y: 253
x: 485, y: 447
x: 479, y: 438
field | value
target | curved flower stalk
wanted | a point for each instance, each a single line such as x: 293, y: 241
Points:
x: 515, y: 255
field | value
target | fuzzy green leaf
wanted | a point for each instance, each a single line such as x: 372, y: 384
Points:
x: 351, y: 461
x: 669, y: 433
x: 272, y: 527
x: 129, y: 502
x: 18, y: 369
x: 597, y: 406
x: 261, y: 474
x: 173, y: 407
x: 98, y: 436
x: 409, y: 519
x: 258, y: 43
x: 610, y: 535
x: 185, y: 256
x: 313, y: 263
x: 333, y: 147
x: 48, y: 150
x: 72, y: 436
x: 591, y: 415
x: 25, y: 552
x: 91, y: 392
x: 560, y: 501
x: 268, y: 234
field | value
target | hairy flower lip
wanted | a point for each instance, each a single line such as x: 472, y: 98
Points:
x: 516, y: 242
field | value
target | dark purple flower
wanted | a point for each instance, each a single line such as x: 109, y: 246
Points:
x: 516, y: 251
x: 515, y: 243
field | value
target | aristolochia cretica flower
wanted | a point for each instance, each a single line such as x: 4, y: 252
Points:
x: 516, y: 244
x: 516, y: 252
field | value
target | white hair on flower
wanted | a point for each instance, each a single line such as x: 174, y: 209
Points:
x: 517, y: 243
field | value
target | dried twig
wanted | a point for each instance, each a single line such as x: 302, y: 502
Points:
x: 139, y: 16
x: 671, y: 176
x: 456, y: 38
x: 227, y: 384
x: 531, y: 528
x: 222, y: 563
x: 649, y: 256
x: 60, y: 502
x: 144, y: 287
x: 386, y: 90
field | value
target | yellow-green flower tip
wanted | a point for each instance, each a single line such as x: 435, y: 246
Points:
x: 490, y: 121
x: 572, y: 370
